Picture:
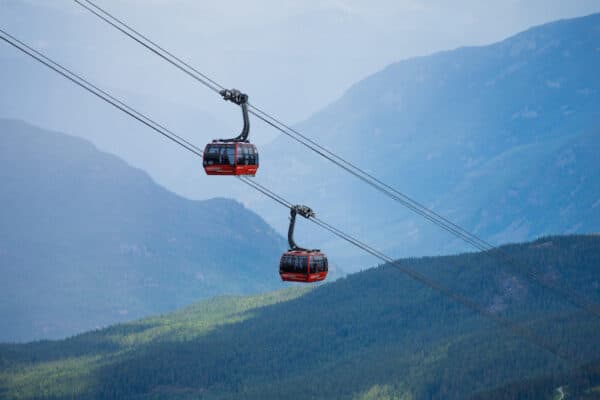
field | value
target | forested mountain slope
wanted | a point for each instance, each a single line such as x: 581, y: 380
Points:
x: 374, y: 334
x: 582, y: 383
x: 86, y: 240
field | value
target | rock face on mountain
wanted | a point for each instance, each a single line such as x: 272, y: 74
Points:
x: 86, y: 240
x: 501, y: 139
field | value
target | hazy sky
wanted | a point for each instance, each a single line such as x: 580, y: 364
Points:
x: 292, y: 57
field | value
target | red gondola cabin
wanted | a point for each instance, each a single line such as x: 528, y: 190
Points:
x: 303, y: 266
x: 234, y: 158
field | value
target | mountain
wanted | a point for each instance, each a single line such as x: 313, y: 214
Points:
x: 581, y: 383
x: 376, y: 334
x: 501, y: 139
x: 86, y: 240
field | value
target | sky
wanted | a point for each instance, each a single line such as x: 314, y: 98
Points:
x: 292, y: 57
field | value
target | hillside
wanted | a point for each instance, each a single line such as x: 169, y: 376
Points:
x: 581, y: 383
x: 502, y: 139
x: 374, y: 334
x: 86, y: 240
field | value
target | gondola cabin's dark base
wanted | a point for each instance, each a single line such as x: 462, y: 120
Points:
x: 303, y: 266
x: 233, y: 158
x: 227, y: 170
x: 303, y: 278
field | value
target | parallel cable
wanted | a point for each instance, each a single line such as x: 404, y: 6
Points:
x: 418, y: 208
x: 155, y: 48
x: 267, y: 192
x: 78, y: 80
x: 274, y: 122
x: 83, y: 83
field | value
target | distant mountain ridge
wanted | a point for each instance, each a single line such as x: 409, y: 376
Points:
x: 86, y: 240
x: 500, y: 139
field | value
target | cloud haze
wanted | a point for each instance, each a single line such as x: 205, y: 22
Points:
x: 292, y: 57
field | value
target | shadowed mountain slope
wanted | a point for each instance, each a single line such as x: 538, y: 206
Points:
x: 86, y: 240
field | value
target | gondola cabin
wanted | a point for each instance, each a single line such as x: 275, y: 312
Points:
x: 303, y: 266
x: 230, y: 158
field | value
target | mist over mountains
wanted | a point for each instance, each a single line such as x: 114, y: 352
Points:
x: 86, y: 240
x: 500, y: 139
x: 470, y: 132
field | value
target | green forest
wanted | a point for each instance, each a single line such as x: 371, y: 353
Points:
x: 376, y: 334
